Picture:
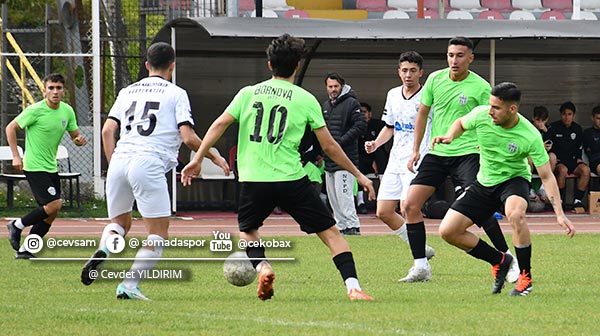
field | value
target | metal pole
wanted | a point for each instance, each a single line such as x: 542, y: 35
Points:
x: 96, y: 100
x: 3, y: 95
x: 492, y: 63
x: 174, y: 171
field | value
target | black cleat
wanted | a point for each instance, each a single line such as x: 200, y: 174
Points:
x: 14, y: 235
x: 90, y: 266
x: 524, y: 285
x: 499, y: 272
x: 24, y: 255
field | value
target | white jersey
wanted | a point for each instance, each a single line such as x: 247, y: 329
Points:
x: 401, y: 113
x: 150, y: 112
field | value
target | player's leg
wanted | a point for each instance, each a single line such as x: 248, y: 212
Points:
x: 46, y: 191
x: 256, y: 203
x: 583, y: 173
x: 515, y: 204
x: 476, y: 203
x: 313, y: 216
x: 561, y: 172
x: 119, y: 201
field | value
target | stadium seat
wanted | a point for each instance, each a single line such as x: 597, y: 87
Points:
x: 497, y: 5
x: 395, y: 14
x: 431, y: 14
x: 246, y: 5
x: 467, y: 5
x: 521, y: 15
x: 279, y: 5
x: 459, y: 15
x: 558, y: 5
x: 266, y: 13
x: 490, y: 15
x: 590, y: 5
x: 65, y: 173
x: 553, y: 15
x: 403, y: 5
x: 372, y: 5
x: 585, y: 15
x: 530, y: 5
x: 295, y: 14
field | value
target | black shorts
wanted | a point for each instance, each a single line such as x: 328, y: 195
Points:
x: 44, y: 186
x: 298, y: 198
x: 594, y: 166
x: 434, y: 169
x: 479, y: 202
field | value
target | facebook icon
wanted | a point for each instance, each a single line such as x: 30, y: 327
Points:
x: 115, y: 243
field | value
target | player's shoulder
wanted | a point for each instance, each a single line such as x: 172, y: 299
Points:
x: 439, y: 72
x: 475, y: 77
x: 395, y: 91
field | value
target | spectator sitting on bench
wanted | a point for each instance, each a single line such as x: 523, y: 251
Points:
x: 591, y: 141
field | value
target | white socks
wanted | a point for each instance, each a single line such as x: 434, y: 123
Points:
x: 401, y: 232
x: 352, y: 283
x: 140, y: 267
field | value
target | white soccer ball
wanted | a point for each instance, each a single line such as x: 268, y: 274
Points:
x: 238, y: 269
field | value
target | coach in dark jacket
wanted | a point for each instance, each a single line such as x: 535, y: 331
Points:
x: 346, y: 123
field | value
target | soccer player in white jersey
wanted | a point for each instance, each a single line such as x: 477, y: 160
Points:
x: 153, y: 117
x: 401, y: 107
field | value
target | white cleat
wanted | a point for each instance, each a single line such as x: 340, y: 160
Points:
x: 417, y: 275
x: 429, y: 252
x: 513, y: 272
x: 126, y: 293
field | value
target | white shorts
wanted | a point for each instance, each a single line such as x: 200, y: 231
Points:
x: 394, y: 187
x: 141, y: 179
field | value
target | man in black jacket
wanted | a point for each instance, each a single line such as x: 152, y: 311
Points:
x: 567, y: 144
x: 346, y: 123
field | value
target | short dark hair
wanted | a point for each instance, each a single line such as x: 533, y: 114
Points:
x: 596, y: 110
x: 54, y: 77
x: 541, y: 112
x: 507, y: 92
x: 160, y: 55
x: 567, y: 106
x: 337, y: 77
x: 412, y: 57
x: 284, y: 53
x: 461, y: 40
x: 366, y: 105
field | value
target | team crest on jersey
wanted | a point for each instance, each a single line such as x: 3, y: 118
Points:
x: 462, y: 99
x: 64, y: 123
x: 573, y: 136
x: 52, y: 191
x: 512, y: 147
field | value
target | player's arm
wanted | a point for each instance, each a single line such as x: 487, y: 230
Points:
x: 420, y: 124
x: 455, y: 131
x: 335, y: 152
x: 214, y: 133
x: 386, y: 133
x: 11, y: 137
x: 77, y: 137
x: 551, y: 187
x: 109, y: 130
x: 193, y: 141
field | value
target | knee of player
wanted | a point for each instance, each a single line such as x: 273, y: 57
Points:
x: 53, y: 207
x: 515, y: 215
x: 446, y: 232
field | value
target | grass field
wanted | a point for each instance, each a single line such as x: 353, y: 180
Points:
x: 46, y: 297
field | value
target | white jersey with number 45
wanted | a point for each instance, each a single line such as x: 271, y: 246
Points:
x: 149, y: 113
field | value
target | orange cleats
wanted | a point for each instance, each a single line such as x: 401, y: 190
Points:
x: 266, y: 276
x: 358, y: 295
x: 524, y: 285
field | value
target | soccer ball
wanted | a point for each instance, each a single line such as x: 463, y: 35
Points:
x: 238, y: 269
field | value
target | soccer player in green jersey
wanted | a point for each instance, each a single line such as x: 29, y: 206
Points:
x: 272, y: 117
x: 505, y: 139
x: 45, y: 122
x: 452, y: 92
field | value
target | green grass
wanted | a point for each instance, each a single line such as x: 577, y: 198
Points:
x: 43, y: 298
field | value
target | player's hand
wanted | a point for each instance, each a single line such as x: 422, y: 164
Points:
x: 370, y: 146
x: 367, y: 184
x: 440, y: 140
x: 412, y: 161
x: 221, y: 162
x: 567, y: 225
x: 190, y: 171
x: 79, y: 140
x: 17, y: 163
